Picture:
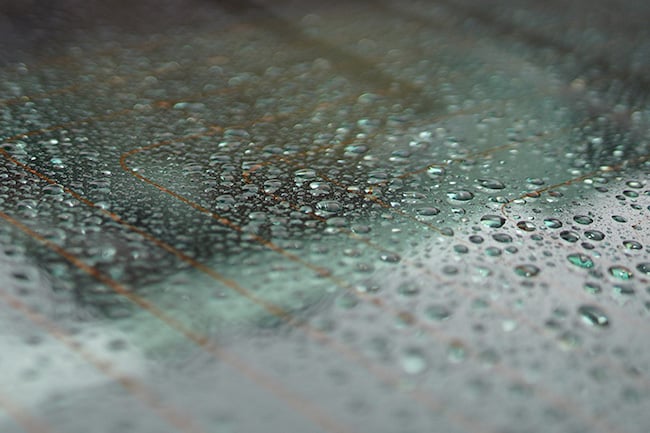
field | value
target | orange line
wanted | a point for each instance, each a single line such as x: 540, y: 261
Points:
x: 26, y: 421
x: 202, y: 341
x: 182, y: 422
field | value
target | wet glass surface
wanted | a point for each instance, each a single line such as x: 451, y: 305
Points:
x: 285, y: 216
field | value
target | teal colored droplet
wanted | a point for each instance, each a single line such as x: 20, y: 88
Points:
x: 620, y: 272
x: 581, y: 260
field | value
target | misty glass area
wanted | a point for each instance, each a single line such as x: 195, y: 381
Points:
x: 299, y: 216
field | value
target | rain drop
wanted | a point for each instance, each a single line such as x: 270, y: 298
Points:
x: 593, y: 316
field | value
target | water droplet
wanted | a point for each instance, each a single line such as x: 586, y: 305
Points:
x: 476, y: 239
x: 583, y: 219
x: 427, y: 211
x: 592, y: 288
x: 493, y: 251
x: 569, y: 236
x: 332, y: 206
x: 526, y: 226
x: 408, y: 290
x: 491, y: 184
x: 527, y: 270
x: 619, y: 219
x: 581, y: 260
x: 436, y: 171
x: 620, y: 272
x: 456, y: 352
x: 592, y: 315
x: 413, y: 361
x: 595, y: 235
x: 461, y: 249
x: 390, y: 257
x: 493, y: 221
x: 438, y: 312
x: 502, y: 237
x: 632, y: 245
x: 461, y: 195
x: 552, y: 223
x: 634, y: 184
x: 644, y: 268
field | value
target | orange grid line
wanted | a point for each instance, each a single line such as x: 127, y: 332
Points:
x: 25, y: 420
x: 298, y: 403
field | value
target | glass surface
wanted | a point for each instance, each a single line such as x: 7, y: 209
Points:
x: 311, y: 217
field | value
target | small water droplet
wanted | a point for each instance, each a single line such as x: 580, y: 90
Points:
x: 527, y: 271
x: 552, y: 223
x: 491, y: 184
x: 461, y: 195
x: 413, y: 361
x: 493, y: 221
x: 583, y: 219
x: 569, y: 236
x: 620, y: 272
x: 644, y: 268
x: 526, y: 226
x: 438, y: 312
x: 502, y: 237
x: 592, y: 288
x: 427, y: 211
x: 593, y: 316
x: 632, y: 245
x: 581, y: 260
x: 594, y: 235
x: 461, y: 249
